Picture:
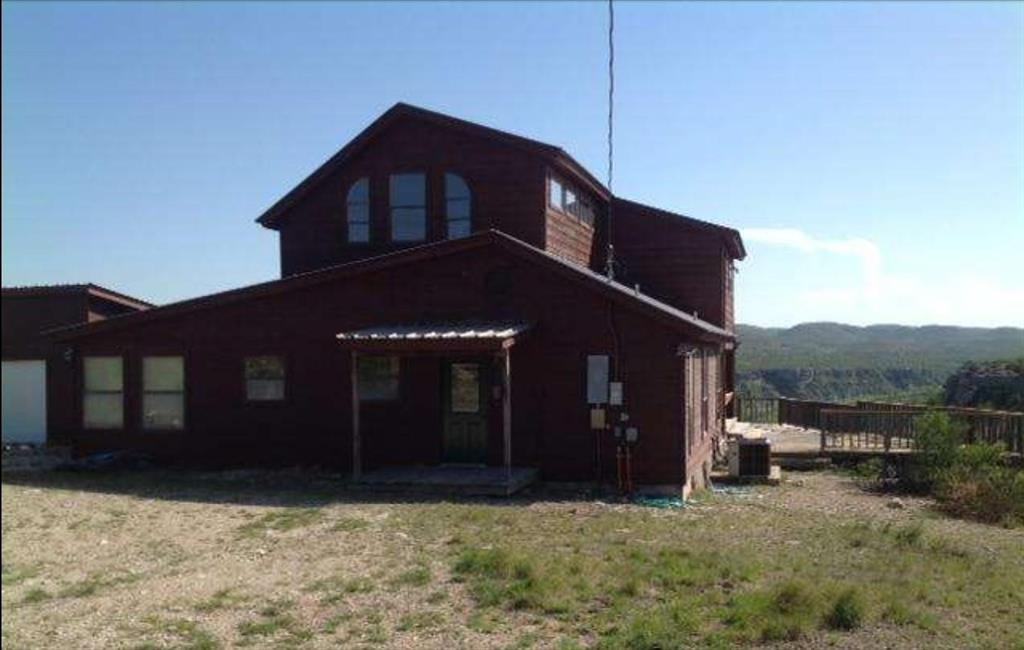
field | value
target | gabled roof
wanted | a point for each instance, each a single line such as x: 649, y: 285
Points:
x: 555, y: 155
x: 623, y: 295
x: 731, y: 236
x: 93, y: 290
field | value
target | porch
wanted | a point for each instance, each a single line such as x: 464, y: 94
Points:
x: 458, y: 385
x: 450, y: 479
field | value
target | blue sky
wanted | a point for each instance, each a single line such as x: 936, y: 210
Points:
x: 872, y: 154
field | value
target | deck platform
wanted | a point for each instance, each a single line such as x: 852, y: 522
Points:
x: 449, y: 479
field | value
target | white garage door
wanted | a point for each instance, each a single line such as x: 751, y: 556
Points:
x: 24, y: 401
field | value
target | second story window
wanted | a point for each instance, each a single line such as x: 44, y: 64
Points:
x: 408, y: 199
x: 457, y: 206
x: 555, y: 194
x: 357, y: 209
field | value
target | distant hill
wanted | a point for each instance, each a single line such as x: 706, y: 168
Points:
x: 990, y: 384
x: 844, y: 362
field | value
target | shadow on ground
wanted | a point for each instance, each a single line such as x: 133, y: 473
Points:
x: 282, y: 488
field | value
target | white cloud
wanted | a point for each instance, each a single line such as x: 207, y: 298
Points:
x: 963, y: 298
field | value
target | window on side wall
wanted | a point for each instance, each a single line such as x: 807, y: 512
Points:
x: 458, y: 209
x: 554, y: 193
x: 264, y: 379
x: 357, y: 211
x: 704, y: 397
x: 163, y: 393
x: 571, y: 204
x: 378, y: 378
x: 408, y: 200
x: 103, y: 393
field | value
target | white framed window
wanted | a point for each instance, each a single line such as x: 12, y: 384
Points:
x: 163, y: 392
x: 378, y: 378
x: 357, y: 211
x: 103, y: 393
x: 458, y: 208
x: 264, y: 379
x: 408, y: 201
x: 554, y: 193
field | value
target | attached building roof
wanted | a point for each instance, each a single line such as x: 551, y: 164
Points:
x: 93, y: 290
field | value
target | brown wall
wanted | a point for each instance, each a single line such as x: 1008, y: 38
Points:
x: 507, y: 185
x: 550, y: 417
x: 701, y: 437
x: 682, y: 266
x: 565, y: 235
x: 25, y: 318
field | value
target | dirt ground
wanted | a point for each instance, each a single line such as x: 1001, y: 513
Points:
x: 289, y: 559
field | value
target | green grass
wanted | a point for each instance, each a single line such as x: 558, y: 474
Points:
x: 281, y: 521
x: 221, y: 599
x: 16, y: 574
x: 765, y: 569
x: 418, y: 576
x: 188, y: 635
x: 334, y: 589
x: 348, y: 524
x: 95, y: 583
x: 275, y: 620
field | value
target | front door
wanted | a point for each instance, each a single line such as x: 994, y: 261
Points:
x: 465, y: 411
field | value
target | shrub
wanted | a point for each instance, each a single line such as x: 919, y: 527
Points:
x: 847, y: 611
x: 937, y: 439
x: 969, y: 480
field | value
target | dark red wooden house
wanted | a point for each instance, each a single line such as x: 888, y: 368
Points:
x: 443, y: 301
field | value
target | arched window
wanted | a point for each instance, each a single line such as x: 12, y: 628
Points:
x: 357, y: 210
x: 458, y: 212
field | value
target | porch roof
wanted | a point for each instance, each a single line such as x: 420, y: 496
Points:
x: 437, y: 336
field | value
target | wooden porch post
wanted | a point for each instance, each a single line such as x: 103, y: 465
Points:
x: 506, y: 407
x: 357, y: 442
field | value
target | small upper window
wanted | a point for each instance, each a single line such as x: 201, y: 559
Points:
x: 586, y: 213
x: 457, y: 201
x: 408, y: 194
x: 555, y: 194
x: 357, y: 208
x: 571, y: 203
x: 264, y: 379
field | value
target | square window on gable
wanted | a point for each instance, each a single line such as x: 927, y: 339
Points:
x: 264, y: 379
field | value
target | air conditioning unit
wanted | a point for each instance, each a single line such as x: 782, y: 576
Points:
x: 750, y: 457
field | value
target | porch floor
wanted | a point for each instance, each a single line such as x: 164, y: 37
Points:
x: 450, y: 479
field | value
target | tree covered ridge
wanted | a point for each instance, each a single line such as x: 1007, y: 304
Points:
x: 833, y: 361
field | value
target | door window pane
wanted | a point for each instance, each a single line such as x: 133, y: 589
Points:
x: 465, y: 389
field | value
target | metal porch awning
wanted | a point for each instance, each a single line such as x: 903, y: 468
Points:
x: 437, y: 336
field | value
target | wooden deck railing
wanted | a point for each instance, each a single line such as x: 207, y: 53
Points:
x: 880, y: 426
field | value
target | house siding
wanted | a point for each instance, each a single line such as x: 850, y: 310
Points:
x: 314, y: 424
x: 677, y: 264
x: 507, y: 194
